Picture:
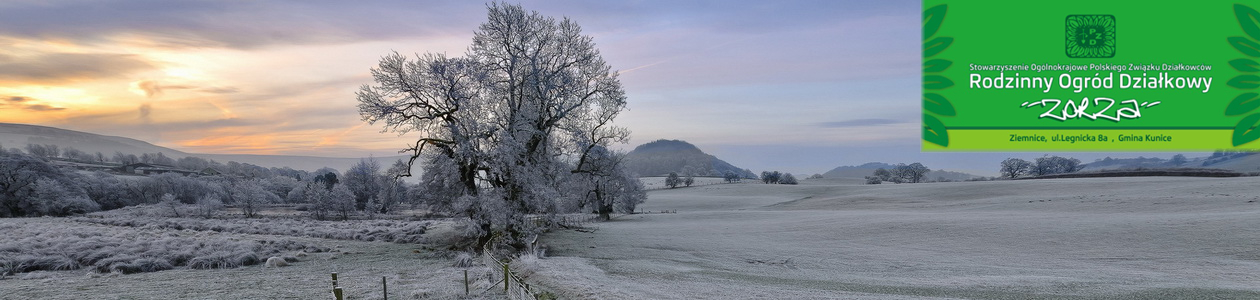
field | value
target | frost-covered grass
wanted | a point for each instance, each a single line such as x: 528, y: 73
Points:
x: 61, y: 245
x: 413, y: 271
x: 1097, y: 238
x: 356, y: 230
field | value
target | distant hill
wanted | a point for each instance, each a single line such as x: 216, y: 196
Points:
x: 19, y: 135
x: 661, y: 157
x: 1245, y: 162
x: 1128, y: 163
x: 867, y: 169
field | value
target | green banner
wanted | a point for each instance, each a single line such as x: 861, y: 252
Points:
x: 1090, y: 76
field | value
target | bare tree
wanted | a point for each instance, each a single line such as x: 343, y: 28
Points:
x: 341, y: 200
x: 672, y: 181
x: 912, y: 173
x: 531, y: 91
x: 883, y: 174
x: 209, y: 205
x: 608, y: 185
x: 1047, y: 165
x: 788, y: 178
x: 363, y: 179
x: 1014, y: 167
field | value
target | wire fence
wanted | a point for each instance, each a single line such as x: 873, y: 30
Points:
x: 513, y: 286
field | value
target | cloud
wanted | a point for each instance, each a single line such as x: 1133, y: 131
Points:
x: 859, y: 123
x: 149, y: 88
x: 220, y: 90
x: 231, y: 24
x: 43, y: 107
x: 145, y: 110
x: 66, y: 67
x: 25, y: 103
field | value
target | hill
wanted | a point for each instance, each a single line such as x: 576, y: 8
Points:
x: 661, y: 157
x: 19, y: 135
x: 867, y: 169
x: 1245, y: 162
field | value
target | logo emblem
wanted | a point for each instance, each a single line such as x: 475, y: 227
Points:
x: 1091, y: 36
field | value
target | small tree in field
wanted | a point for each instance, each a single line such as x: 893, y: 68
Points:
x: 672, y: 181
x: 341, y: 200
x: 209, y: 205
x: 1014, y: 167
x: 248, y: 195
x: 769, y: 177
x: 788, y: 179
x: 169, y: 202
x: 883, y: 174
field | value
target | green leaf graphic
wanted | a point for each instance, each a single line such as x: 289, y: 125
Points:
x: 932, y: 19
x: 936, y: 65
x: 1243, y: 45
x: 937, y: 104
x: 1249, y: 19
x: 936, y: 82
x: 1245, y: 82
x: 1242, y: 104
x: 934, y: 131
x: 1246, y: 131
x: 1245, y: 65
x: 936, y: 45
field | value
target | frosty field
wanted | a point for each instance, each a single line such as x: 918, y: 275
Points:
x: 414, y: 271
x: 1102, y: 238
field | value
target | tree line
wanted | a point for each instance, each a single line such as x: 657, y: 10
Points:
x: 1046, y: 165
x: 32, y: 185
x: 900, y: 173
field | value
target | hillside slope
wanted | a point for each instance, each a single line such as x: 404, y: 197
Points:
x: 664, y: 156
x: 867, y: 169
x: 19, y: 135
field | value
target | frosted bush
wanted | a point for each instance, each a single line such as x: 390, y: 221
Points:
x: 35, y: 246
x: 357, y: 230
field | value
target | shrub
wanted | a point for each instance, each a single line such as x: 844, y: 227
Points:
x: 360, y: 230
x: 873, y: 180
x: 464, y: 260
x: 34, y: 246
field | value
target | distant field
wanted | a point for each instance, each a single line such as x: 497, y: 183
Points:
x: 656, y: 183
x: 1099, y: 238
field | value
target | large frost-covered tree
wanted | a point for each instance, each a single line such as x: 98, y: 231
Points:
x: 507, y: 122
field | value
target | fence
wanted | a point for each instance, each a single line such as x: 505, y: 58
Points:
x: 563, y: 221
x: 513, y: 286
x: 339, y: 293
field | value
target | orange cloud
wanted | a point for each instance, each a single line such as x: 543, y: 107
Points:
x: 336, y: 138
x: 234, y: 142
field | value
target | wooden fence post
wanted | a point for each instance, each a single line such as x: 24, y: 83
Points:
x: 384, y: 288
x: 506, y: 278
x: 465, y: 282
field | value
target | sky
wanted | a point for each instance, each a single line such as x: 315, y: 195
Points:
x: 799, y: 86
